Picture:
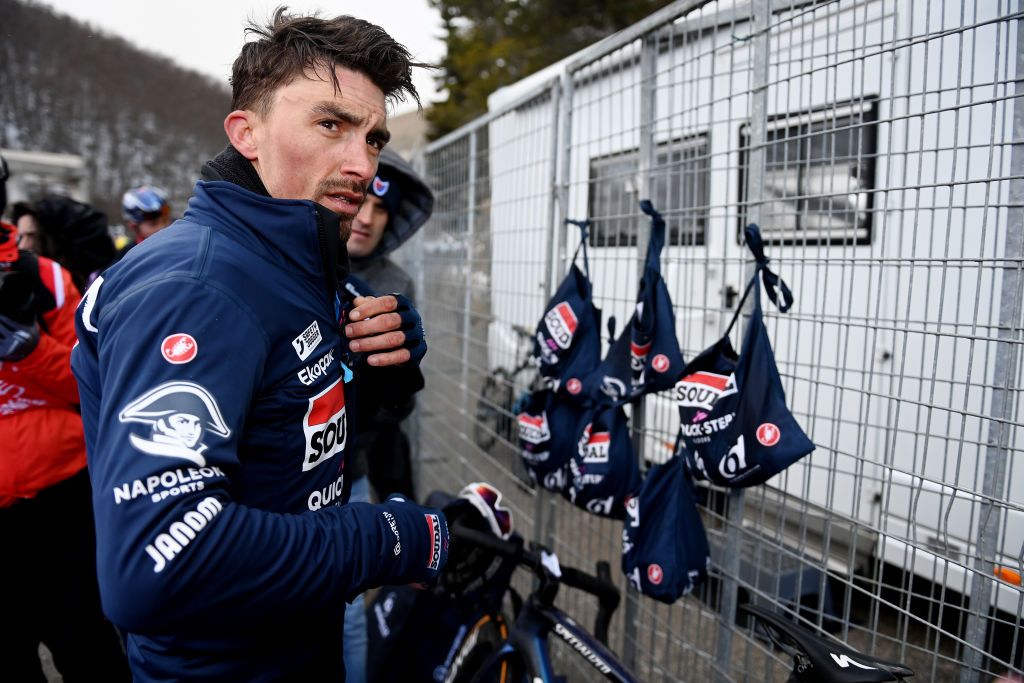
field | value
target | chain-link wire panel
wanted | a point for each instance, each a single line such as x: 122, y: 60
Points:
x: 878, y: 144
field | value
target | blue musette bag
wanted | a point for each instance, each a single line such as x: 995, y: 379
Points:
x: 645, y: 358
x: 603, y: 469
x: 665, y: 550
x: 733, y: 418
x: 567, y: 343
x: 548, y: 426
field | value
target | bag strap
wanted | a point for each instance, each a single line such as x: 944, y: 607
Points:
x: 584, y: 226
x: 657, y: 241
x: 773, y: 284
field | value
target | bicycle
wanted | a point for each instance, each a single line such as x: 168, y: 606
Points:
x: 495, y: 413
x: 493, y: 651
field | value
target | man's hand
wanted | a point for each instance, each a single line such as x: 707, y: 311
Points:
x: 17, y: 340
x: 388, y: 325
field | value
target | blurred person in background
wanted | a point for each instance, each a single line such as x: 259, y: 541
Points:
x: 396, y: 205
x: 72, y: 233
x: 145, y: 211
x: 216, y: 365
x: 48, y: 584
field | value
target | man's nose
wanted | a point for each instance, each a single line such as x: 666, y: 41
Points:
x: 359, y: 161
x: 364, y: 217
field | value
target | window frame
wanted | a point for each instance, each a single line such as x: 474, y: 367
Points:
x: 798, y: 126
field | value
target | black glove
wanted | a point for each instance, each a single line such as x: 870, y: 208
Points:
x: 17, y: 340
x: 419, y: 532
x: 412, y: 325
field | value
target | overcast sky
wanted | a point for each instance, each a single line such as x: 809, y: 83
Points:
x: 206, y: 35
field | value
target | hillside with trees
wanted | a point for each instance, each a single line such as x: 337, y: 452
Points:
x: 134, y: 116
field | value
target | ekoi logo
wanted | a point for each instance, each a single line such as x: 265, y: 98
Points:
x: 325, y: 426
x: 561, y: 322
x: 704, y: 389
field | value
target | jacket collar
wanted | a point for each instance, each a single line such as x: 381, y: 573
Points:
x: 232, y: 199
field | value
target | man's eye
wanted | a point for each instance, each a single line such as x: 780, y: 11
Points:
x: 329, y: 125
x: 376, y: 143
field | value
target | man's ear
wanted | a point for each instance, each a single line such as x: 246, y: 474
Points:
x: 239, y: 127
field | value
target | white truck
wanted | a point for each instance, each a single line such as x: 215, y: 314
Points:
x: 887, y: 130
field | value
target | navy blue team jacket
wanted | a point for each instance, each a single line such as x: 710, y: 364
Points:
x: 214, y: 402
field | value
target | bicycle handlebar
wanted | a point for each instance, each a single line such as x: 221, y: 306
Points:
x: 599, y: 586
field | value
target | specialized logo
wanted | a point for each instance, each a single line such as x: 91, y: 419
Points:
x: 312, y: 373
x: 325, y: 425
x: 595, y: 659
x: 307, y: 342
x: 434, y: 525
x: 561, y: 323
x: 704, y: 389
x: 844, y: 661
x: 380, y: 187
x: 574, y: 386
x: 179, y: 348
x: 768, y: 434
x: 171, y: 543
x: 180, y: 413
x: 534, y: 428
x: 655, y: 573
x: 390, y: 518
x: 660, y: 363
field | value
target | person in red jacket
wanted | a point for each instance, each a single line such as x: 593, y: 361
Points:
x: 48, y: 585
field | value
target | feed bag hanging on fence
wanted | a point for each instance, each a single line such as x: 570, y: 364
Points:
x: 733, y: 417
x: 548, y: 427
x: 567, y: 343
x: 646, y: 357
x: 603, y: 471
x: 664, y: 547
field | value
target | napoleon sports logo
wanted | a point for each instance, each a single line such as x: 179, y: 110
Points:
x: 704, y: 389
x: 179, y: 414
x: 325, y: 426
x: 561, y: 322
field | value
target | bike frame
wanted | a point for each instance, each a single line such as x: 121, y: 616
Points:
x: 527, y: 643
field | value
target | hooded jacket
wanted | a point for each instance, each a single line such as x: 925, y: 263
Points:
x: 214, y: 395
x: 40, y: 428
x: 415, y: 206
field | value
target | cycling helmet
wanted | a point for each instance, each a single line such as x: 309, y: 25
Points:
x: 144, y: 203
x: 471, y: 571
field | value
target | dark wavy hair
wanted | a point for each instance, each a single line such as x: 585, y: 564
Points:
x: 290, y: 46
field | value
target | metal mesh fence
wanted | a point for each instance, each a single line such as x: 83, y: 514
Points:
x: 878, y: 144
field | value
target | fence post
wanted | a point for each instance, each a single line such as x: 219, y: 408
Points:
x: 543, y: 505
x: 1004, y: 374
x: 761, y: 15
x: 467, y: 297
x: 645, y: 162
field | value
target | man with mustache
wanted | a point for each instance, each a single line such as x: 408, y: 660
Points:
x: 234, y: 563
